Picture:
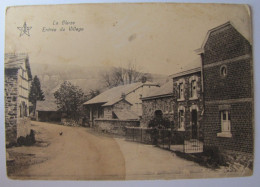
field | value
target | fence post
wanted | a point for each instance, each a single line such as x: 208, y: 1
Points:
x: 141, y: 140
x: 133, y: 134
x: 163, y: 131
x: 183, y: 142
x: 169, y: 138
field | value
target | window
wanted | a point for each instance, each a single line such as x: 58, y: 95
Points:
x: 223, y: 71
x: 225, y: 120
x: 25, y: 111
x: 171, y: 108
x: 20, y: 108
x: 180, y: 91
x: 181, y: 120
x: 193, y: 89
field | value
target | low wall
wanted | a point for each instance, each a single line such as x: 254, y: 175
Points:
x: 17, y: 128
x: 69, y: 122
x: 23, y: 127
x: 10, y: 132
x: 115, y: 126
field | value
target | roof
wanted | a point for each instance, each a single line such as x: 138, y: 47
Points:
x: 187, y: 72
x: 223, y: 26
x: 114, y: 101
x: 126, y: 115
x: 46, y: 105
x: 15, y: 61
x: 164, y: 91
x: 114, y: 94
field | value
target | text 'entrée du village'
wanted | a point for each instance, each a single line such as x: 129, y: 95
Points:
x: 61, y: 26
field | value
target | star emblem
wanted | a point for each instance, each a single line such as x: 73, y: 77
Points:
x: 24, y: 29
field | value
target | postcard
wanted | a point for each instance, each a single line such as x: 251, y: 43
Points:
x: 129, y: 91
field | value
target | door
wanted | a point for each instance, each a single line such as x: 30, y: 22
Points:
x: 194, y: 124
x: 225, y: 121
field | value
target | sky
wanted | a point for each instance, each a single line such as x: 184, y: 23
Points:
x: 157, y: 37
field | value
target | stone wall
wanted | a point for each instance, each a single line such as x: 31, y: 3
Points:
x: 114, y: 126
x: 188, y: 104
x: 11, y: 94
x: 69, y: 122
x: 121, y: 105
x: 165, y: 104
x: 23, y: 127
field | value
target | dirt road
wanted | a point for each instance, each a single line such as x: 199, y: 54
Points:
x: 79, y: 154
x: 76, y: 155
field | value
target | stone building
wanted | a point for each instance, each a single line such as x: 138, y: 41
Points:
x: 188, y: 100
x: 158, y: 101
x: 228, y: 89
x: 17, y: 80
x: 121, y: 102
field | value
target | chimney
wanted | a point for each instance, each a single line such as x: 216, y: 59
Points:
x: 123, y: 95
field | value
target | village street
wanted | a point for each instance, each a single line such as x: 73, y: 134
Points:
x: 80, y: 154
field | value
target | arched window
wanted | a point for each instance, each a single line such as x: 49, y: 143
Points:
x: 25, y: 111
x: 181, y: 118
x: 180, y: 89
x: 193, y: 81
x: 223, y: 71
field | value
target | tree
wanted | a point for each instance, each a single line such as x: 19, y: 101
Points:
x: 36, y: 93
x: 93, y: 93
x: 131, y: 73
x: 69, y: 99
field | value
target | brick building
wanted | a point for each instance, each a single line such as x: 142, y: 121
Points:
x: 228, y: 89
x: 17, y: 80
x: 188, y: 101
x: 159, y: 100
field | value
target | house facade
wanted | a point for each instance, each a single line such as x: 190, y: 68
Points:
x: 17, y: 84
x: 188, y: 100
x: 158, y: 101
x: 121, y: 102
x: 228, y: 89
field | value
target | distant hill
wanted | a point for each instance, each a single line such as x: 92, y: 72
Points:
x: 87, y: 78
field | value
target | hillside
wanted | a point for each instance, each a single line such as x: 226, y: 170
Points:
x: 87, y: 78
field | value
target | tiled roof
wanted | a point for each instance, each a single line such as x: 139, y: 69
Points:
x: 114, y: 101
x: 126, y: 115
x: 187, y: 72
x: 164, y: 90
x: 47, y: 105
x: 113, y: 95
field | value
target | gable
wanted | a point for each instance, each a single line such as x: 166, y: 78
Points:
x: 18, y: 61
x: 113, y: 95
x: 123, y: 104
x: 224, y: 42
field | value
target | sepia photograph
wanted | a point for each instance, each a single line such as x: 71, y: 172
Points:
x: 129, y: 91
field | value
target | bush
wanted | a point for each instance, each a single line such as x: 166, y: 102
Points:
x: 28, y: 140
x: 160, y: 123
x: 214, y: 157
